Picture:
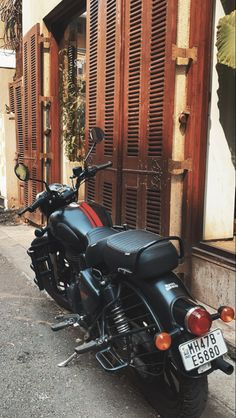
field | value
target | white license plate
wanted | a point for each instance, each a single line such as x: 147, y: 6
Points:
x: 202, y: 350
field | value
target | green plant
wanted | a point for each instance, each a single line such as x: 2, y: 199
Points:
x: 226, y: 40
x: 11, y: 16
x: 72, y: 104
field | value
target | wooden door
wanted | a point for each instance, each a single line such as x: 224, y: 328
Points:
x: 104, y: 95
x: 32, y: 116
x: 130, y: 95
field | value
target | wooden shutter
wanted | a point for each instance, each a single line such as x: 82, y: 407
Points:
x: 103, y: 95
x: 32, y: 115
x: 16, y: 107
x: 130, y: 95
x: 148, y: 113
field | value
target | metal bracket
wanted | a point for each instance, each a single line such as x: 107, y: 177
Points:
x: 183, y: 55
x: 43, y: 39
x: 45, y: 99
x: 179, y: 167
x: 43, y: 155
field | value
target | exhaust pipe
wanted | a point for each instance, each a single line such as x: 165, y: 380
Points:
x: 224, y: 366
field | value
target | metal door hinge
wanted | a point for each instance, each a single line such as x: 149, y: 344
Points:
x: 45, y: 99
x: 48, y: 155
x: 179, y: 167
x: 43, y: 39
x: 184, y: 55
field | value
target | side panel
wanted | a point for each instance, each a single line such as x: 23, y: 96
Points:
x: 161, y: 294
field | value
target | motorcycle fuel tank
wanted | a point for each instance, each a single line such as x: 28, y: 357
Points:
x: 71, y: 224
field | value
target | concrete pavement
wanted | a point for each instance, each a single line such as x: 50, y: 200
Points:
x: 14, y: 241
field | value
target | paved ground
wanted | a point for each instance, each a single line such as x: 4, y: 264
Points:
x: 31, y: 384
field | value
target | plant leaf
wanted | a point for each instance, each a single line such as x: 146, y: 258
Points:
x: 226, y: 40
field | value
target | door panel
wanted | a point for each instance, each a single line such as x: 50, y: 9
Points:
x: 134, y: 87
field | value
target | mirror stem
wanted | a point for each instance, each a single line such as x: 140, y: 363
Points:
x: 42, y: 181
x: 89, y: 152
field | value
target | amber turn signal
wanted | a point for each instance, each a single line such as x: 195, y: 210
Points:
x: 162, y: 341
x: 226, y: 313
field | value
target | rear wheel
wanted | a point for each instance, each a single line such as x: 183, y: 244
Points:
x: 169, y: 392
x: 175, y: 396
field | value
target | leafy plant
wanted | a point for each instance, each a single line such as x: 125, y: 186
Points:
x: 226, y: 40
x: 11, y: 16
x: 72, y: 104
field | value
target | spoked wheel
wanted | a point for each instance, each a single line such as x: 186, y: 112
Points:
x: 169, y: 392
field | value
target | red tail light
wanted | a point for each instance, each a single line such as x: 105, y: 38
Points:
x: 198, y: 321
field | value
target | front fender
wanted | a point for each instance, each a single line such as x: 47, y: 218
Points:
x: 161, y: 293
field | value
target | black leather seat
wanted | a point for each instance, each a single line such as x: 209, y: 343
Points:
x: 97, y: 239
x: 138, y: 252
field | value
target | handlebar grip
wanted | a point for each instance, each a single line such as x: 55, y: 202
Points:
x: 103, y: 166
x: 32, y: 207
x: 36, y: 204
x: 23, y: 211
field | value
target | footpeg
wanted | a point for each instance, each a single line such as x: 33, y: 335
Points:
x: 110, y: 361
x: 67, y: 321
x: 62, y: 325
x: 86, y: 347
x: 83, y: 348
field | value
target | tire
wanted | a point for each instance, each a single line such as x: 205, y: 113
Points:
x: 50, y: 286
x: 171, y: 394
x: 59, y: 296
x: 188, y: 402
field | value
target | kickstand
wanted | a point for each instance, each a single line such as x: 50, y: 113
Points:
x: 68, y: 360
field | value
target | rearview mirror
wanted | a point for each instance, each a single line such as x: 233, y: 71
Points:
x: 96, y: 135
x: 22, y: 172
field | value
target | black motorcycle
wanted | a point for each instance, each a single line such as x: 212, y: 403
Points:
x: 135, y: 313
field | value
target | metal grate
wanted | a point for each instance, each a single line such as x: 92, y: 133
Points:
x: 139, y: 317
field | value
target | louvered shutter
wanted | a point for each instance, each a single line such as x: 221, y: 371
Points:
x: 32, y: 115
x: 16, y: 107
x: 130, y: 95
x: 148, y: 113
x: 103, y: 95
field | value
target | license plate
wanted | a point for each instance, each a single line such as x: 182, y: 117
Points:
x: 197, y: 352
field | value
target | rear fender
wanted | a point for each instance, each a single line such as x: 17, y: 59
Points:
x: 161, y: 293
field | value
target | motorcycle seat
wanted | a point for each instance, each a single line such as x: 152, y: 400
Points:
x: 138, y: 252
x: 142, y: 253
x: 96, y: 239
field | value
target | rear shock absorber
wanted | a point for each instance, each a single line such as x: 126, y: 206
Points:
x: 116, y: 313
x: 120, y: 319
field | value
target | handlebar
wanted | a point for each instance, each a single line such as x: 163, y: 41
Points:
x: 32, y: 207
x: 81, y: 176
x: 91, y: 171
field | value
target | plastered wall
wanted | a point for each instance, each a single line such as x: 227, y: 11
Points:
x: 8, y: 181
x: 35, y: 10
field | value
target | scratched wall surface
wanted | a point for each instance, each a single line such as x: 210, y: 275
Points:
x: 213, y: 284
